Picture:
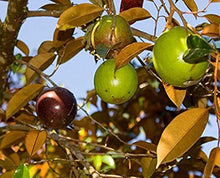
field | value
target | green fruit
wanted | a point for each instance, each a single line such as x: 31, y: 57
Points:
x: 168, y: 59
x: 115, y: 87
x: 111, y: 32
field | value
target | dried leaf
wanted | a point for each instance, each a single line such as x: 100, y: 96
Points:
x: 180, y: 135
x: 71, y: 49
x: 176, y: 95
x: 214, y: 159
x: 62, y: 37
x: 23, y: 47
x: 12, y: 138
x: 134, y: 14
x: 148, y: 166
x: 21, y: 98
x: 78, y: 15
x: 213, y: 18
x: 45, y: 47
x: 211, y: 30
x: 127, y: 4
x: 192, y: 6
x: 145, y: 145
x: 34, y: 140
x: 129, y: 52
x: 41, y: 62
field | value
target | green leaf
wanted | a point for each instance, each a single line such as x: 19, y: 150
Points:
x: 21, y: 172
x: 97, y: 161
x: 181, y: 134
x: 107, y: 159
x: 197, y: 50
x: 78, y: 15
x: 148, y: 166
x: 22, y: 97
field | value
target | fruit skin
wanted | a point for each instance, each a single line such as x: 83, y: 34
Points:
x: 118, y: 87
x: 168, y: 59
x: 56, y: 107
x: 104, y: 37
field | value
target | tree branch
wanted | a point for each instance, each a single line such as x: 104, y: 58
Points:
x: 44, y: 13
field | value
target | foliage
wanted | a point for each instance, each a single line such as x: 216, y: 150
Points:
x: 105, y: 143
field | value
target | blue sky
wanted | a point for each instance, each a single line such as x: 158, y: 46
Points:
x: 77, y: 74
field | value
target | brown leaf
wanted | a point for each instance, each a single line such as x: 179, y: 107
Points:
x: 176, y: 95
x: 192, y: 6
x: 71, y: 49
x: 213, y: 18
x: 12, y: 138
x: 45, y: 47
x: 23, y: 47
x: 34, y: 140
x: 40, y: 61
x: 214, y: 160
x: 148, y: 166
x: 211, y: 30
x: 62, y: 37
x: 78, y: 15
x: 134, y: 14
x: 21, y: 98
x: 215, y: 1
x: 145, y: 145
x: 180, y: 135
x: 129, y: 52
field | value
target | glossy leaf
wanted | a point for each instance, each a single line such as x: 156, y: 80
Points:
x: 211, y: 30
x: 148, y: 166
x: 127, y: 4
x: 78, y: 15
x: 71, y: 49
x: 181, y: 134
x: 134, y: 14
x: 21, y: 172
x: 214, y: 160
x: 107, y: 159
x: 197, y: 50
x: 41, y: 62
x: 12, y: 138
x: 145, y: 145
x: 23, y: 47
x: 97, y: 2
x: 191, y: 5
x: 129, y: 52
x: 97, y: 162
x: 176, y: 95
x: 34, y: 140
x: 213, y: 18
x: 22, y: 97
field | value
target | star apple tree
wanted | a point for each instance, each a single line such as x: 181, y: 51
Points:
x: 155, y: 91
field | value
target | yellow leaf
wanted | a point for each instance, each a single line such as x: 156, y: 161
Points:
x: 191, y: 5
x: 129, y: 52
x: 176, y: 95
x: 211, y: 30
x: 23, y: 47
x: 12, y: 138
x: 34, y: 140
x: 78, y: 15
x: 148, y: 166
x: 71, y: 49
x: 213, y: 18
x: 214, y: 160
x: 41, y: 62
x: 21, y: 98
x: 180, y: 135
x: 134, y: 14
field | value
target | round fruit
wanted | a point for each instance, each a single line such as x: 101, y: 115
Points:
x: 56, y: 107
x: 115, y: 87
x: 111, y: 31
x: 168, y: 59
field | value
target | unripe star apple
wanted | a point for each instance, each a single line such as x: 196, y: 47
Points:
x: 118, y: 86
x: 111, y: 31
x: 168, y: 60
x: 56, y: 107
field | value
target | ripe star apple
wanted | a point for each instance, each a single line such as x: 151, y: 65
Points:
x: 111, y: 32
x: 56, y: 107
x: 168, y: 60
x: 118, y: 86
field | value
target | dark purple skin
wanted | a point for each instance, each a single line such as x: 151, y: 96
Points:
x: 56, y: 107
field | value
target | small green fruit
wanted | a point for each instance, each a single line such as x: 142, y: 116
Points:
x: 115, y: 87
x: 168, y: 60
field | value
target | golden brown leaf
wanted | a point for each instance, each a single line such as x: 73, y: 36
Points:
x: 129, y: 52
x: 34, y: 140
x: 134, y: 14
x: 45, y: 47
x: 78, y: 15
x: 191, y: 5
x: 214, y: 159
x: 213, y: 18
x: 23, y: 47
x: 176, y: 95
x: 62, y: 37
x: 180, y: 135
x: 21, y: 98
x: 211, y: 30
x: 145, y: 145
